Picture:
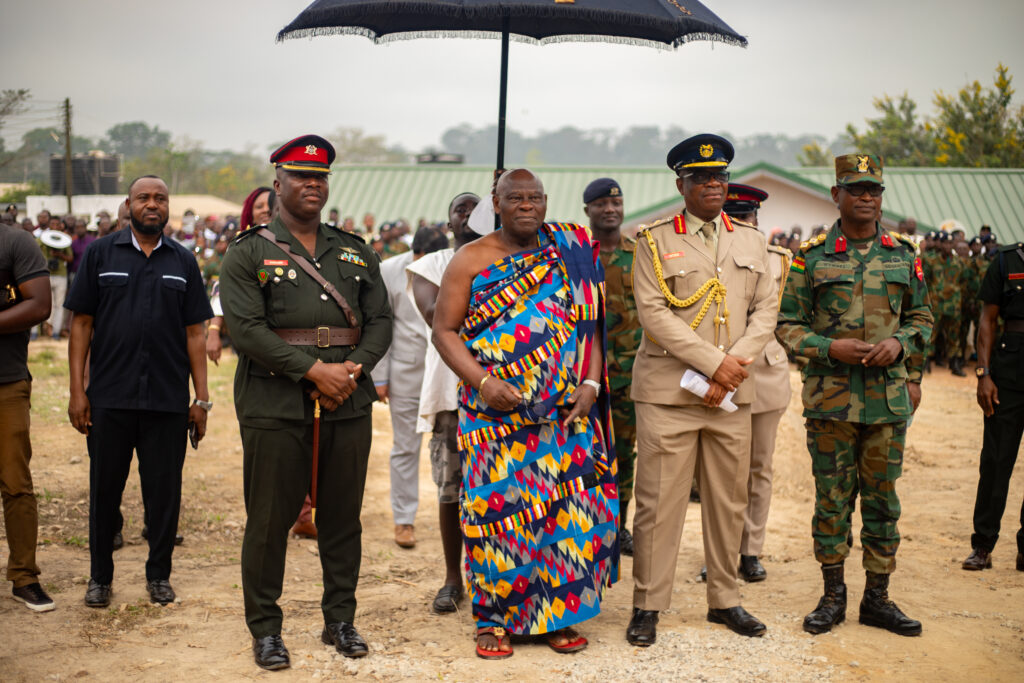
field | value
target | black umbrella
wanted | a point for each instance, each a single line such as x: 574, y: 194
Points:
x: 658, y: 23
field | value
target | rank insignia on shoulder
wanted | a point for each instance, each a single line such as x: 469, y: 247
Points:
x: 352, y: 258
x: 918, y: 270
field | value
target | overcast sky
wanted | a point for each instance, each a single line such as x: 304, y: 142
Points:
x: 212, y: 70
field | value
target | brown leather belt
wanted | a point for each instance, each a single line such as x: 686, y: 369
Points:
x: 1013, y: 326
x: 321, y: 337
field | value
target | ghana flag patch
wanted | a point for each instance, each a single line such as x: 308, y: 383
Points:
x: 798, y: 264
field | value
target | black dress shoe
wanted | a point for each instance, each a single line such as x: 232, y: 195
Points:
x: 118, y: 541
x: 97, y: 594
x: 978, y: 559
x: 738, y: 620
x: 625, y: 542
x: 345, y: 639
x: 642, y: 630
x: 1020, y: 562
x: 447, y: 598
x: 270, y: 653
x: 751, y: 569
x: 160, y: 591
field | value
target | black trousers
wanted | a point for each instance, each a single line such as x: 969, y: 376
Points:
x: 277, y: 467
x: 159, y: 438
x: 1003, y: 431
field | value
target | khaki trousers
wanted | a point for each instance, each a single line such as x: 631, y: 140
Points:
x: 19, y: 501
x: 671, y: 441
x: 763, y: 429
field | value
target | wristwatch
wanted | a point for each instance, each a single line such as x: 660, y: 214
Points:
x: 205, y: 405
x: 981, y: 372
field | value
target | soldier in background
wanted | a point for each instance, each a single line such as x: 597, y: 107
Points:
x: 856, y: 307
x: 770, y: 371
x: 602, y: 202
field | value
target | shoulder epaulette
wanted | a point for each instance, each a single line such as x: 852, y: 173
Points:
x: 780, y: 250
x: 631, y: 240
x: 246, y: 233
x: 813, y: 242
x: 660, y: 221
x: 906, y: 240
x: 737, y: 221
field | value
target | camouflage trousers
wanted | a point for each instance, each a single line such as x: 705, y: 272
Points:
x: 624, y: 427
x: 847, y: 458
x: 948, y: 328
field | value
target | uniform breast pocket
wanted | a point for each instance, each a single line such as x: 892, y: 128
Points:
x: 897, y: 281
x: 351, y: 279
x: 752, y: 268
x: 833, y: 289
x: 684, y: 283
x: 283, y: 294
x: 113, y: 279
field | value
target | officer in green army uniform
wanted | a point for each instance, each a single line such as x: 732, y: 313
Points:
x: 855, y: 305
x: 602, y: 202
x: 946, y: 273
x: 310, y: 318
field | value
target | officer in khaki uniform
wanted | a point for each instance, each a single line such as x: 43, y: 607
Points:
x: 706, y: 302
x: 770, y: 371
x: 299, y: 342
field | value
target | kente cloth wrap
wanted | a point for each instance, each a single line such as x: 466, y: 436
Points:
x: 539, y: 505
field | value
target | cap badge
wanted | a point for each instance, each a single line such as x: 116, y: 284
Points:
x: 706, y: 151
x: 862, y: 163
x: 311, y: 150
x: 614, y: 192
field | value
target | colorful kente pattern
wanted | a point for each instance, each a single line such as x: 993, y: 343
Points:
x: 539, y: 504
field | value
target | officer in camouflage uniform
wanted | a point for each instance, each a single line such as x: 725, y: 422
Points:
x: 602, y: 202
x: 300, y: 341
x: 855, y: 305
x: 948, y: 300
x: 931, y: 265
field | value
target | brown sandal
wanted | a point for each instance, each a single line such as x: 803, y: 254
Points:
x: 501, y: 635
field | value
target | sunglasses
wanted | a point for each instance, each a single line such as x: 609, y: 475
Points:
x: 859, y: 190
x: 705, y: 177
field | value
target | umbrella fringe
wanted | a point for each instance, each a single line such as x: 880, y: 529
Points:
x: 413, y: 35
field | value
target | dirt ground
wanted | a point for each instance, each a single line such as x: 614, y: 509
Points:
x: 973, y: 622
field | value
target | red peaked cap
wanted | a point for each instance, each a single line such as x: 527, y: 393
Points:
x: 743, y: 198
x: 306, y: 153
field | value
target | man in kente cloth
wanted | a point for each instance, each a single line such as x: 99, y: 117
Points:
x: 519, y: 320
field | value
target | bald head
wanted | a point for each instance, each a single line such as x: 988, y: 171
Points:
x: 517, y: 177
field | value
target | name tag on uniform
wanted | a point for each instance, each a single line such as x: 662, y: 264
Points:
x: 275, y: 262
x: 672, y: 255
x: 352, y: 258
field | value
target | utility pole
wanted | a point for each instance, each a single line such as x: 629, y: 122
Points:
x: 67, y: 151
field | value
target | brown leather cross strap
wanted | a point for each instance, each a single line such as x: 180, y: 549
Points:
x: 321, y: 337
x: 311, y: 271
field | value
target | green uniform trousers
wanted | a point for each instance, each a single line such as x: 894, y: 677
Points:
x: 847, y: 458
x: 277, y: 468
x: 624, y: 428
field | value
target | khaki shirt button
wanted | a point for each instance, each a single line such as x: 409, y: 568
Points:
x: 721, y: 347
x: 719, y: 270
x: 751, y: 266
x: 324, y: 297
x: 682, y: 272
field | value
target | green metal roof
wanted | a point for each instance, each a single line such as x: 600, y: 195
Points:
x: 973, y: 196
x: 424, y: 191
x: 931, y: 195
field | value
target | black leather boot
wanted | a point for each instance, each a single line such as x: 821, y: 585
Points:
x: 831, y: 609
x: 876, y: 609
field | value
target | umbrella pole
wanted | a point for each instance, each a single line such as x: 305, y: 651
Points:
x: 502, y: 99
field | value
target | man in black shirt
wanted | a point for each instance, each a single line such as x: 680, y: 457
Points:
x: 1001, y: 397
x: 141, y: 306
x: 24, y: 303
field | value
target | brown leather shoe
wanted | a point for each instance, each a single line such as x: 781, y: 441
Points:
x: 978, y: 559
x: 405, y: 536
